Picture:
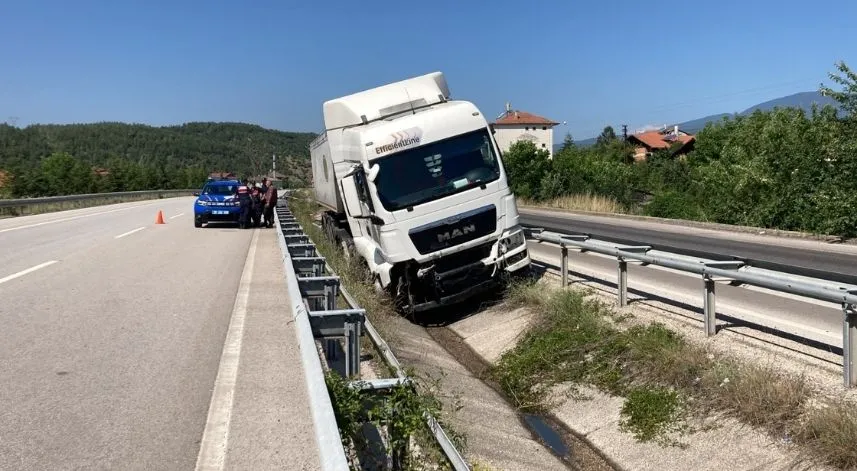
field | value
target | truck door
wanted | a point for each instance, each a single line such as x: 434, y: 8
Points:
x: 366, y: 226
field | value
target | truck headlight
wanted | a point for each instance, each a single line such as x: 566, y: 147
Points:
x: 515, y: 240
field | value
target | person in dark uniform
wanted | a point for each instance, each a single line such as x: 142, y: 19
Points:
x: 270, y: 204
x: 256, y: 213
x: 244, y: 203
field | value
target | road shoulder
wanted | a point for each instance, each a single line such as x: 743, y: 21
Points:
x: 271, y: 422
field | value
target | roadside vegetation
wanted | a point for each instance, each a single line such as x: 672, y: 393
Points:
x: 666, y: 380
x: 55, y: 160
x: 782, y: 169
x: 398, y: 412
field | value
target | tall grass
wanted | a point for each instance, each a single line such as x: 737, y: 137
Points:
x: 660, y: 373
x: 581, y: 202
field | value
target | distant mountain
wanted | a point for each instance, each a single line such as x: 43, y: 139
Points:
x: 695, y: 125
x: 803, y: 100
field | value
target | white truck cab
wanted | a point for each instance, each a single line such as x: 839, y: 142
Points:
x: 415, y: 186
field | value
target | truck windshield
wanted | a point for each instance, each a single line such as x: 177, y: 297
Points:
x: 436, y: 170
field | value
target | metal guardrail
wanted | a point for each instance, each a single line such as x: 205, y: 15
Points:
x: 680, y: 249
x: 90, y: 196
x: 21, y: 205
x: 714, y: 270
x: 330, y: 451
x: 314, y: 290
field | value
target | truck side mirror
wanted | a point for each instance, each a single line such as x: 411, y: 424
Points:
x: 373, y: 172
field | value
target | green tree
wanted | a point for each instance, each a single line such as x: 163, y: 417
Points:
x: 568, y: 142
x: 526, y: 166
x: 607, y: 136
x: 847, y: 97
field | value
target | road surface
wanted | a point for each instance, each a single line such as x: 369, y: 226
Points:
x: 113, y: 329
x: 811, y: 257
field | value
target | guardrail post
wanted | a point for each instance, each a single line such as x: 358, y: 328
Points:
x: 330, y: 292
x: 623, y: 282
x: 352, y: 348
x: 564, y: 264
x: 709, y: 307
x: 849, y: 344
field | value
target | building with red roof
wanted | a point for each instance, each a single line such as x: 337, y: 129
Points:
x: 645, y: 143
x: 516, y: 125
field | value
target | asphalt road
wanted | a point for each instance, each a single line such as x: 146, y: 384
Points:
x: 810, y: 258
x: 112, y: 329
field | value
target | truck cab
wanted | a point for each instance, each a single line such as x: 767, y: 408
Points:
x: 421, y: 194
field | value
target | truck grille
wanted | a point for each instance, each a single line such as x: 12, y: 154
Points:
x: 455, y: 230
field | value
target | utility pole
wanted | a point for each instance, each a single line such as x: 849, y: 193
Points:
x: 624, y: 132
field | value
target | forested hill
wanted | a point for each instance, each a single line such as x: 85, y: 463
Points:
x: 77, y: 158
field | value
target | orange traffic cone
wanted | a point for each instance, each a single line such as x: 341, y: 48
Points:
x: 160, y: 218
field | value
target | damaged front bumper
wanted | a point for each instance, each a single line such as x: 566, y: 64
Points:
x: 447, y: 282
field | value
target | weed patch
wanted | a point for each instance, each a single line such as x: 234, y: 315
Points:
x: 652, y: 413
x: 664, y: 378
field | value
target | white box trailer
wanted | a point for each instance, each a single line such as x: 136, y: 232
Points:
x: 414, y: 186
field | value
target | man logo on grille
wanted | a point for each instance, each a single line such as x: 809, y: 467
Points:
x: 455, y: 233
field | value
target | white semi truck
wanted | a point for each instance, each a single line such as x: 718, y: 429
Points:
x: 414, y: 186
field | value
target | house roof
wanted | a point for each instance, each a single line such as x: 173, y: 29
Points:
x: 522, y: 117
x: 660, y: 140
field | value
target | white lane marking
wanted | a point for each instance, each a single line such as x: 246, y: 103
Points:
x: 28, y: 270
x: 129, y: 232
x: 73, y: 218
x: 212, y: 449
x: 177, y: 215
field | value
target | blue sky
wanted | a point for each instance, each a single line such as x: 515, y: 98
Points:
x: 274, y: 62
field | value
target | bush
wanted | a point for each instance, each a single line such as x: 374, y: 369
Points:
x: 673, y: 205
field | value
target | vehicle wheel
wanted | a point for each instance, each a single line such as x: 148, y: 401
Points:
x: 197, y: 223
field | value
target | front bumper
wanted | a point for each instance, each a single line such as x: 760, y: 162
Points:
x: 217, y: 213
x: 458, y: 297
x: 455, y: 281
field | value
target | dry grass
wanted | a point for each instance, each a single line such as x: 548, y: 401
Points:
x: 575, y: 340
x: 582, y: 202
x: 832, y: 430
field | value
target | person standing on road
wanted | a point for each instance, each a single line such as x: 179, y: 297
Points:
x: 244, y: 203
x: 270, y: 203
x: 256, y: 213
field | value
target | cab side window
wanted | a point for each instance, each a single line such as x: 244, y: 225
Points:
x: 363, y: 189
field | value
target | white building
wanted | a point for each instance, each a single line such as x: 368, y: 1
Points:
x: 515, y: 126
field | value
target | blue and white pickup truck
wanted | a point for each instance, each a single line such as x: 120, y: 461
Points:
x: 217, y: 202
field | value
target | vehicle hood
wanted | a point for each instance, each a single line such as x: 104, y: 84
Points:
x: 217, y: 198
